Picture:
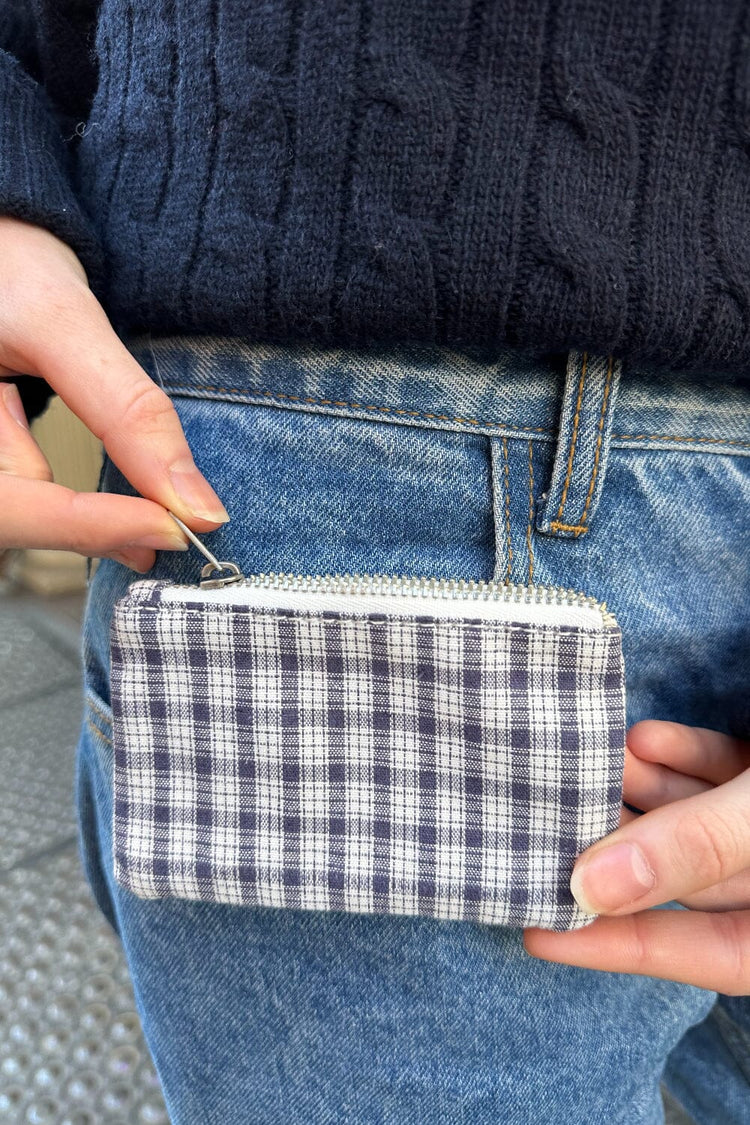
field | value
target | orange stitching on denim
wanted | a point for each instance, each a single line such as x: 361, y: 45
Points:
x: 507, y: 508
x: 439, y: 417
x: 96, y: 730
x: 98, y: 711
x: 675, y: 437
x: 597, y: 453
x: 359, y: 406
x: 529, y: 544
x: 557, y: 526
x: 571, y: 453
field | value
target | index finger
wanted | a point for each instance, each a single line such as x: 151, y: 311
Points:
x: 101, y: 382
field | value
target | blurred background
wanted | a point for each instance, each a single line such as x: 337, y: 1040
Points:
x: 71, y: 1047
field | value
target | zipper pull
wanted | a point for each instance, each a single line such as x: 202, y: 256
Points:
x: 215, y: 573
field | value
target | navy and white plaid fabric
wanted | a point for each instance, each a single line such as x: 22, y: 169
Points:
x: 362, y: 762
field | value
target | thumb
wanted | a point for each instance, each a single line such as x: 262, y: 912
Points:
x: 85, y: 361
x: 668, y: 853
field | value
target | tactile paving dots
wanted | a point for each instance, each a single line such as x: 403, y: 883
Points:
x: 37, y: 754
x: 71, y: 1047
x: 28, y: 659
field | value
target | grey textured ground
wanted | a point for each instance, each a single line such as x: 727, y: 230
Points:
x: 71, y: 1048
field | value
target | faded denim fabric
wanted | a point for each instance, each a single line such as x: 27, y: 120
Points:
x: 432, y: 462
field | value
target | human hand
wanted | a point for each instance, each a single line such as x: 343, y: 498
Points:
x: 52, y: 325
x: 692, y: 845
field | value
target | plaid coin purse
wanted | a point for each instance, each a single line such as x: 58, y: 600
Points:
x: 369, y: 743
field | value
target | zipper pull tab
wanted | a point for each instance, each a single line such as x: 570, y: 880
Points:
x: 215, y: 573
x: 209, y: 581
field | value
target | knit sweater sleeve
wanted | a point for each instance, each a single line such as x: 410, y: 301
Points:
x: 36, y: 165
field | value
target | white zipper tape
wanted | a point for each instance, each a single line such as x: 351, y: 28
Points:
x: 402, y: 594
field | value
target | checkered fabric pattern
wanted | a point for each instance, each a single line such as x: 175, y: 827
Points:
x: 366, y: 762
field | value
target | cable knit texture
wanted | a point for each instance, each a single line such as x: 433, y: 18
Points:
x: 465, y: 172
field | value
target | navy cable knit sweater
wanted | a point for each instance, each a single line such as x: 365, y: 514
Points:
x: 550, y: 173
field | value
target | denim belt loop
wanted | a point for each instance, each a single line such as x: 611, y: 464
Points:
x: 580, y: 464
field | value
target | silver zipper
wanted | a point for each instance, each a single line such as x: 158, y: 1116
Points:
x: 218, y: 575
x: 415, y: 588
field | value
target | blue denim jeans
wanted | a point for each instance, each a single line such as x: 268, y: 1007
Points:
x: 631, y: 486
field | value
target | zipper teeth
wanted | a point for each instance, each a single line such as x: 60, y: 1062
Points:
x: 420, y: 586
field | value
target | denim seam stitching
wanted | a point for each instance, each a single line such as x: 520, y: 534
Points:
x: 677, y: 437
x: 97, y: 730
x: 529, y: 544
x: 574, y: 439
x: 506, y: 474
x: 580, y: 528
x: 556, y: 525
x: 360, y: 406
x: 98, y: 711
x: 598, y: 451
x: 440, y: 417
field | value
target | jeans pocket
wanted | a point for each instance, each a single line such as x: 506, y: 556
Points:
x: 314, y: 492
x: 93, y: 786
x: 97, y: 716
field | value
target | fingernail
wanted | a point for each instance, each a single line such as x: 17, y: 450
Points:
x: 13, y: 405
x: 129, y: 561
x: 195, y: 491
x: 160, y: 542
x: 611, y: 878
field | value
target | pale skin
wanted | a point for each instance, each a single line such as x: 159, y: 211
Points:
x: 693, y: 785
x: 52, y: 325
x: 693, y: 841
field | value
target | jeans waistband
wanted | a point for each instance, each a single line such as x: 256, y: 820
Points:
x: 509, y: 392
x: 583, y: 404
